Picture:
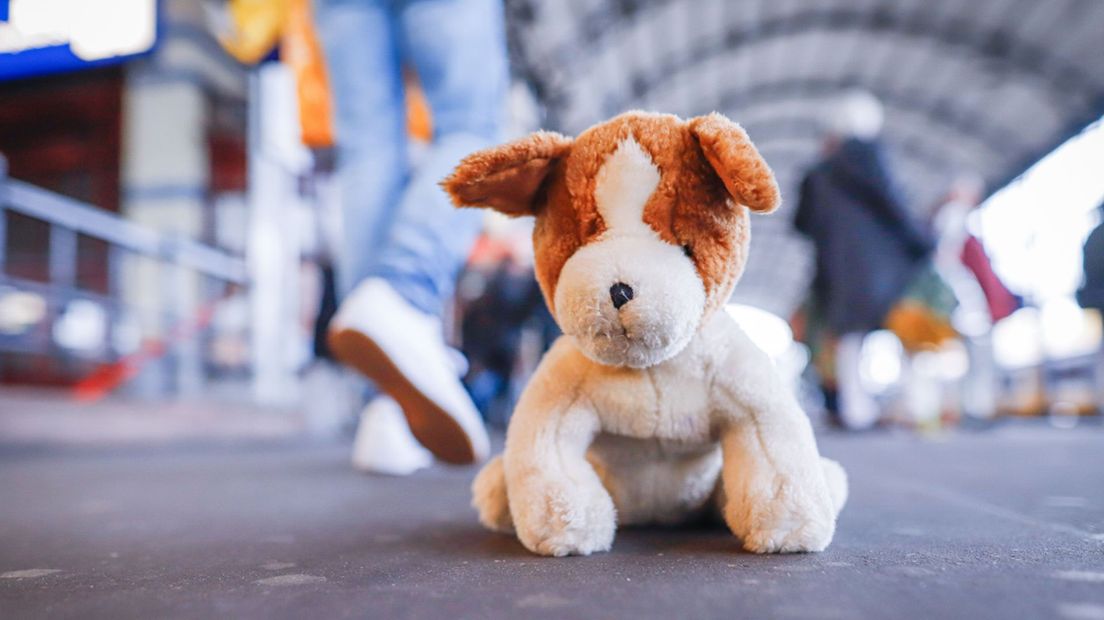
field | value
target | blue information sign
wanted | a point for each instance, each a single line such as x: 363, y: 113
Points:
x: 28, y: 48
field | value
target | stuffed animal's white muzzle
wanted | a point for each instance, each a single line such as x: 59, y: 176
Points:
x: 630, y: 300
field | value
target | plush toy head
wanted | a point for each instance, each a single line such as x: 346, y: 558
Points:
x: 641, y: 224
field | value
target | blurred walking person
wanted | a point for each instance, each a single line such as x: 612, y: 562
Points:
x: 868, y: 251
x: 1091, y: 293
x: 404, y: 243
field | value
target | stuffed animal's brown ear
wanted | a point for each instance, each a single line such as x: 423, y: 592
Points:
x: 737, y: 162
x: 506, y: 178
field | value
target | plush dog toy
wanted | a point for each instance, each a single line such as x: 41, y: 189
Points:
x: 653, y: 407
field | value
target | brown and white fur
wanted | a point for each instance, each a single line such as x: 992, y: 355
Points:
x: 662, y: 409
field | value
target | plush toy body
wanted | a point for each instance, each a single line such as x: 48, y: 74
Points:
x: 653, y: 407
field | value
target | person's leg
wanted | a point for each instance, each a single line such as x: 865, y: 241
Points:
x: 858, y: 409
x: 389, y: 328
x: 364, y: 73
x: 457, y: 49
x: 362, y: 54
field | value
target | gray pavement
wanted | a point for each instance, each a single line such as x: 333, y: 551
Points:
x: 1006, y: 523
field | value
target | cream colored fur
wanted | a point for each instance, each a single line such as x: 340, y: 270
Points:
x: 669, y: 298
x: 591, y: 447
x: 649, y: 414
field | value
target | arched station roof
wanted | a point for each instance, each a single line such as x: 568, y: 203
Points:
x: 982, y: 86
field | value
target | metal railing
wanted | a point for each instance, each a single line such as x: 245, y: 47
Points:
x: 70, y: 219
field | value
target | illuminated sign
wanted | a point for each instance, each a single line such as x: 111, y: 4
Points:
x: 47, y: 36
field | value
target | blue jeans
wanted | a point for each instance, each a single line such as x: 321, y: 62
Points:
x: 398, y: 224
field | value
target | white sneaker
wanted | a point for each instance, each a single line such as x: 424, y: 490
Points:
x: 384, y: 444
x: 403, y: 351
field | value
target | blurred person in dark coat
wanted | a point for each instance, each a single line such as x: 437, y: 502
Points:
x: 868, y: 248
x: 1091, y: 293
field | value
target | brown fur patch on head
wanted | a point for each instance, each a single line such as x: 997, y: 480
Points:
x: 559, y: 231
x: 691, y: 206
x: 709, y: 171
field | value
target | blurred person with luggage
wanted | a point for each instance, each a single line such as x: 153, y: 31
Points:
x: 982, y: 298
x: 403, y: 242
x: 870, y: 252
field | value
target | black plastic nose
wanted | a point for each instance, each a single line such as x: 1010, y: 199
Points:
x: 621, y: 294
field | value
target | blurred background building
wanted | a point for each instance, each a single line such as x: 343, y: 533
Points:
x: 142, y: 148
x: 164, y: 223
x: 983, y: 87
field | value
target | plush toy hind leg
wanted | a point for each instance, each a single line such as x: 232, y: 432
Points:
x: 489, y: 497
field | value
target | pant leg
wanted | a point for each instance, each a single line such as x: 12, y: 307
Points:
x: 858, y: 409
x: 457, y: 48
x: 362, y: 53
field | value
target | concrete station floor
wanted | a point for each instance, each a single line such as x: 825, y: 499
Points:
x: 1005, y: 523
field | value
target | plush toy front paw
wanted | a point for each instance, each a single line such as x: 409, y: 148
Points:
x: 803, y: 536
x: 793, y: 520
x: 561, y: 520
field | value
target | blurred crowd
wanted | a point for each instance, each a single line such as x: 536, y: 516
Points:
x: 436, y: 311
x: 898, y: 320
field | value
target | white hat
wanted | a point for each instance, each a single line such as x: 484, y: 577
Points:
x: 855, y: 113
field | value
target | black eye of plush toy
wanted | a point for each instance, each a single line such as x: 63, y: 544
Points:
x: 688, y: 251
